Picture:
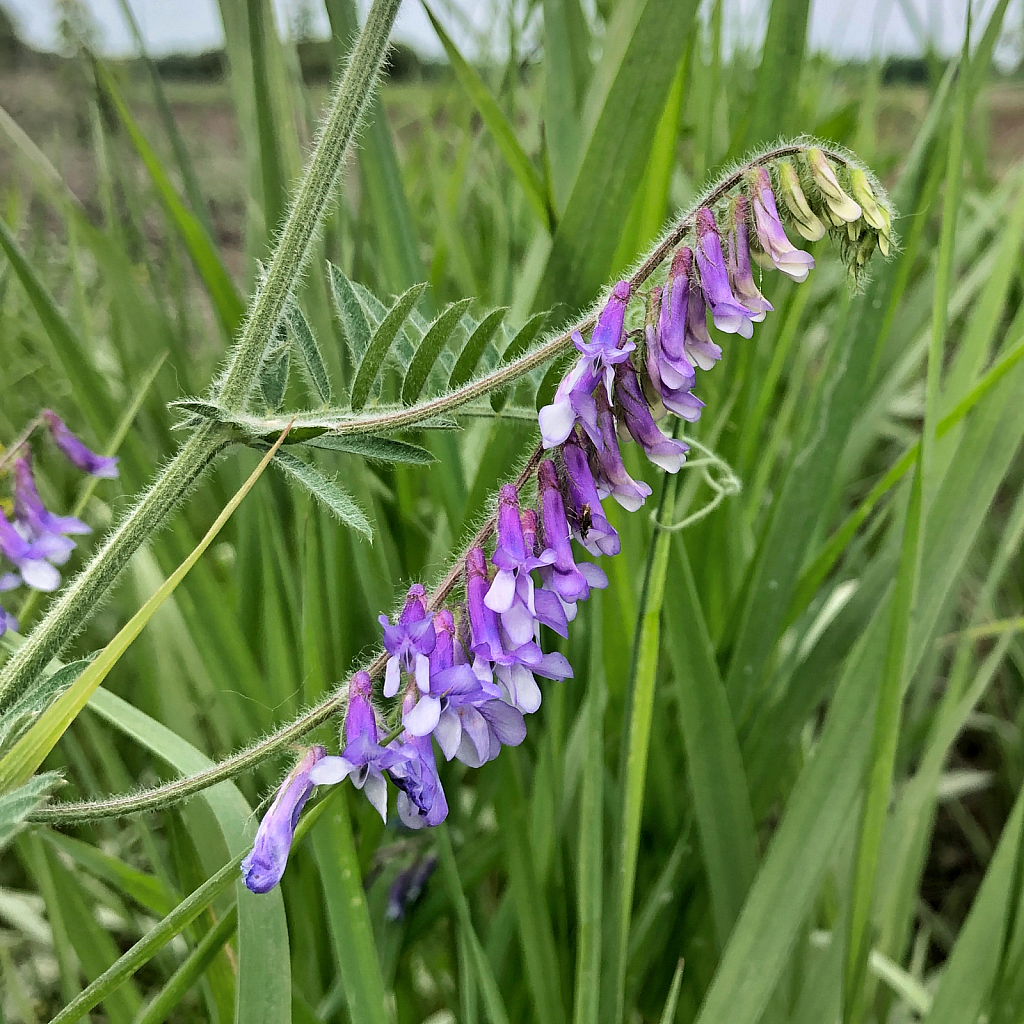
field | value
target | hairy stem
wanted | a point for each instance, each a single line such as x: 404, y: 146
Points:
x: 78, y: 601
x: 295, y: 243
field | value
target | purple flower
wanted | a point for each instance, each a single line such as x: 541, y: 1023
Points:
x: 586, y: 516
x: 634, y: 412
x: 610, y: 474
x: 700, y: 349
x: 669, y: 369
x: 680, y: 401
x: 739, y: 263
x: 76, y: 452
x: 409, y: 642
x: 511, y: 590
x: 772, y: 235
x: 263, y: 867
x: 363, y: 759
x: 496, y: 655
x: 405, y: 890
x: 562, y: 575
x: 485, y: 637
x: 30, y: 511
x: 728, y: 313
x: 32, y: 558
x: 421, y: 799
x: 548, y: 607
x: 574, y: 398
x: 422, y: 716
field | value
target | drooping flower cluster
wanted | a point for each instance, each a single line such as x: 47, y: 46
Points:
x: 467, y: 676
x: 34, y: 541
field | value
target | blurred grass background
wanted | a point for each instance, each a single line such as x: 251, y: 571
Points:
x: 694, y: 793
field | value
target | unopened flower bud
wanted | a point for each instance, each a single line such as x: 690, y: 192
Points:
x: 841, y: 206
x: 807, y: 222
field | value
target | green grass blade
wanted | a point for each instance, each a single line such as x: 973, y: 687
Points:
x: 271, y: 170
x: 633, y: 769
x: 262, y: 930
x: 540, y: 955
x: 774, y: 103
x: 351, y: 931
x: 714, y: 763
x: 201, y: 249
x: 29, y: 752
x: 395, y: 239
x: 971, y: 968
x: 590, y: 855
x: 566, y: 72
x: 92, y: 392
x: 497, y: 124
x: 173, y: 924
x: 672, y: 1000
x: 192, y: 969
x: 895, y: 673
x: 644, y: 44
x: 147, y: 890
x: 493, y: 1003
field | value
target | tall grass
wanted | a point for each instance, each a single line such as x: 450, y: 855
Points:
x: 784, y: 782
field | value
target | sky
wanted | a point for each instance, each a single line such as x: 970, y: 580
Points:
x: 845, y: 28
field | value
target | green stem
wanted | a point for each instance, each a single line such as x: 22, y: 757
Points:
x: 75, y: 605
x: 306, y: 212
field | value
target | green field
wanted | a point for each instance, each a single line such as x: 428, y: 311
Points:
x: 783, y: 783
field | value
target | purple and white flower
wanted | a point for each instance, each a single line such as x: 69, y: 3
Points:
x: 263, y: 867
x: 409, y: 643
x: 363, y: 760
x: 728, y: 313
x: 772, y: 235
x: 739, y: 263
x: 574, y: 398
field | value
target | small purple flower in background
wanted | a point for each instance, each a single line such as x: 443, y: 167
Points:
x: 76, y: 452
x: 772, y: 235
x: 574, y: 397
x: 408, y: 885
x: 263, y: 867
x: 630, y: 403
x: 409, y: 642
x: 32, y: 559
x: 30, y: 511
x: 421, y: 799
x: 739, y: 263
x: 363, y: 759
x: 729, y: 314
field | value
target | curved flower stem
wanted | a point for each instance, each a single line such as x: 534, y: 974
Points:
x: 383, y: 421
x: 77, y: 602
x: 180, y: 789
